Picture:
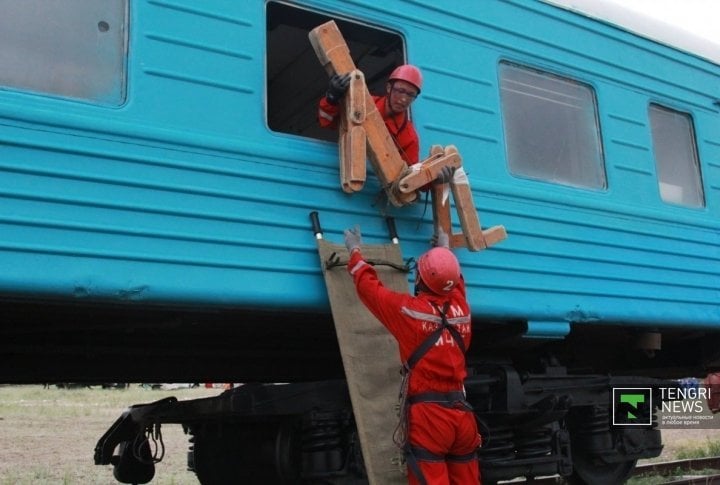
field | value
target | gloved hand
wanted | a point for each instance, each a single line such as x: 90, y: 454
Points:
x: 445, y: 175
x: 337, y: 88
x: 353, y: 239
x: 440, y: 239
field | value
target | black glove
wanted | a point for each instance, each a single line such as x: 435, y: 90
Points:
x: 337, y: 88
x: 353, y: 239
x: 445, y: 175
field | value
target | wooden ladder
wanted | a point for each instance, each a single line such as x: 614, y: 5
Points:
x: 363, y: 135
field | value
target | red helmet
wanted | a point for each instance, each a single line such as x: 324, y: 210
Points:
x: 439, y: 270
x: 407, y: 73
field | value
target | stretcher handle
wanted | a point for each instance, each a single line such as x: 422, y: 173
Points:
x: 315, y: 220
x: 390, y: 221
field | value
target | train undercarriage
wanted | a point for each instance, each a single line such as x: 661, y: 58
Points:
x: 543, y: 405
x: 549, y: 423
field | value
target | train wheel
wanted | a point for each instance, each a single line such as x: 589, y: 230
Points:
x: 592, y: 471
x: 235, y: 454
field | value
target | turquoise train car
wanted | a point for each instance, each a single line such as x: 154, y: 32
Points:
x: 159, y: 159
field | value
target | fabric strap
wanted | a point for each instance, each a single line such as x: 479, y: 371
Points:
x: 427, y: 344
x: 413, y: 454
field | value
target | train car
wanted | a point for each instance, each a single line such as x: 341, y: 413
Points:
x: 160, y: 159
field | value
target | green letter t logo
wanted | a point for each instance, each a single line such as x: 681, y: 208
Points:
x: 633, y: 400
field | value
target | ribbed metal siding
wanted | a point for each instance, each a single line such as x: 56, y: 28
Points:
x: 183, y: 195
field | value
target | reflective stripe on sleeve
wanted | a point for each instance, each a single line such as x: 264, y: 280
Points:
x: 325, y: 115
x: 430, y: 317
x: 359, y: 265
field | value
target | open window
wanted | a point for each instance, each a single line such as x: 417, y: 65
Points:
x: 676, y: 157
x: 295, y: 78
x: 69, y: 48
x: 551, y: 126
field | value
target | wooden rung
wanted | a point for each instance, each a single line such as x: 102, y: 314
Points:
x: 458, y: 241
x: 426, y: 171
x: 494, y: 235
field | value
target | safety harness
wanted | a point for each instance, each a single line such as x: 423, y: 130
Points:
x: 453, y: 399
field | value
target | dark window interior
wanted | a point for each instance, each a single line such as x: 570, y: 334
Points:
x: 295, y: 78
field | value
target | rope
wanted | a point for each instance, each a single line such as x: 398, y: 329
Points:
x: 334, y: 260
x: 400, y: 435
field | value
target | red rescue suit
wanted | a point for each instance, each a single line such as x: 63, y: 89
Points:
x: 398, y: 124
x: 444, y: 438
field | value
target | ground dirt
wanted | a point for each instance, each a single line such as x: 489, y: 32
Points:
x: 48, y: 435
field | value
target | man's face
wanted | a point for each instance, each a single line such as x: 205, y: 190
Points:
x: 400, y: 95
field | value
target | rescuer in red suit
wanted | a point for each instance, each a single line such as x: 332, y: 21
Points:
x: 402, y: 88
x: 438, y: 431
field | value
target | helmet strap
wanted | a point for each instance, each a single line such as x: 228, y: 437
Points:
x: 388, y: 105
x: 420, y: 286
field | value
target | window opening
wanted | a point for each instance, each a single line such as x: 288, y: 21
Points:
x: 295, y: 79
x: 551, y: 127
x: 676, y: 157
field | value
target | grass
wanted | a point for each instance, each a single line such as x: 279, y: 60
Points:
x: 689, y: 451
x: 708, y: 449
x: 48, y: 436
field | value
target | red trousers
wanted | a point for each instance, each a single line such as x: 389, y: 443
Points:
x: 445, y: 433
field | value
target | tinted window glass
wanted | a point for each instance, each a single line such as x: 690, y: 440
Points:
x: 676, y: 159
x: 71, y: 48
x: 551, y: 128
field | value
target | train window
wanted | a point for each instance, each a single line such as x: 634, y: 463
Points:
x: 69, y: 48
x: 676, y: 158
x: 295, y: 78
x: 552, y: 131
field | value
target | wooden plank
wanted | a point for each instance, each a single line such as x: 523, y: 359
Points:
x: 355, y: 102
x: 469, y: 219
x: 370, y: 358
x: 331, y: 49
x: 352, y: 158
